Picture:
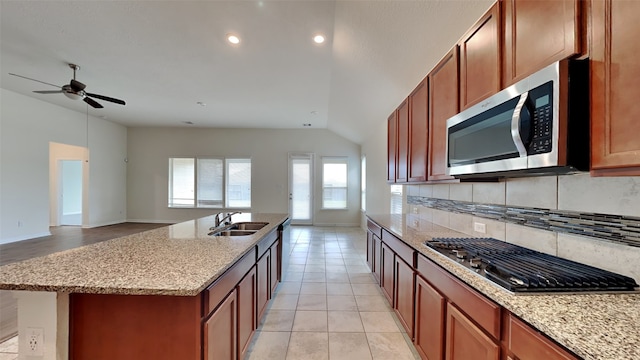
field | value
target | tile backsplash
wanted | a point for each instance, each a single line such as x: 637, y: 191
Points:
x: 591, y: 220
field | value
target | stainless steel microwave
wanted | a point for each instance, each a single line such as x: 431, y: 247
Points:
x: 537, y: 126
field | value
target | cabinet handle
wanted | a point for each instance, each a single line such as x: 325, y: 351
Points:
x: 510, y: 358
x: 515, y: 125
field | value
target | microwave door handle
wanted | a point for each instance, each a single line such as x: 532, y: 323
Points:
x: 515, y: 125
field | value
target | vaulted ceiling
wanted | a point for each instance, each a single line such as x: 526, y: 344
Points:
x: 163, y: 57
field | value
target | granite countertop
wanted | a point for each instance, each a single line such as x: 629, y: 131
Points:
x: 178, y: 260
x: 593, y: 326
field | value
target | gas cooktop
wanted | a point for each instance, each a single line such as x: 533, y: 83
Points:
x: 522, y: 270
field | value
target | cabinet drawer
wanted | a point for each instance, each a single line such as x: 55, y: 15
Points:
x: 527, y: 343
x: 374, y: 228
x: 399, y: 247
x: 216, y: 292
x: 483, y: 311
x: 266, y: 243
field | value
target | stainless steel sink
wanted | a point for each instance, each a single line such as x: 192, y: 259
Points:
x: 238, y: 229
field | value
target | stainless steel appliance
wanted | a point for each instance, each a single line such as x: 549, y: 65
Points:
x: 539, y: 125
x: 522, y: 270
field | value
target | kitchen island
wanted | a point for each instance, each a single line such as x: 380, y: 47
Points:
x: 591, y: 325
x: 154, y: 294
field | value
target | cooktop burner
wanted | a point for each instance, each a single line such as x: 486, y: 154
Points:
x: 520, y: 270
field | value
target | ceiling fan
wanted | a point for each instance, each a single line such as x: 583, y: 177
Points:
x: 75, y: 90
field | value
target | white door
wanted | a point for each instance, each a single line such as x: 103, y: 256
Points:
x: 301, y: 188
x: 70, y: 202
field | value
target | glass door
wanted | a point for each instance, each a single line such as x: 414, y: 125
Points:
x: 301, y: 188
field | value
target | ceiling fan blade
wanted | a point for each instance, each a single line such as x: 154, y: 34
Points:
x: 77, y: 85
x: 106, y: 98
x: 48, y: 91
x: 92, y: 102
x: 24, y: 77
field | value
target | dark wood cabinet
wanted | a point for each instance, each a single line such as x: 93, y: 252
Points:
x: 480, y: 59
x: 537, y: 33
x: 387, y: 263
x: 443, y: 103
x: 418, y: 133
x: 403, y: 295
x: 392, y: 146
x: 430, y: 309
x: 273, y: 267
x: 264, y: 286
x: 465, y: 340
x: 614, y: 91
x: 370, y: 248
x: 523, y: 342
x: 247, y: 320
x: 403, y: 142
x: 377, y: 260
x: 220, y: 339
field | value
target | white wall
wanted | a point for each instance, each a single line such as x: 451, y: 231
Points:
x: 150, y: 148
x: 375, y: 149
x: 27, y: 126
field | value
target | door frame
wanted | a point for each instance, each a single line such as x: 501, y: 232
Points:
x: 311, y: 157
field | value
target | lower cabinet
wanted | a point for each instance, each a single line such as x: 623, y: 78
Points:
x: 247, y: 319
x: 274, y: 266
x: 220, y: 337
x: 264, y: 286
x: 522, y: 342
x: 377, y: 264
x: 465, y: 340
x: 429, y: 321
x: 387, y: 262
x: 403, y: 296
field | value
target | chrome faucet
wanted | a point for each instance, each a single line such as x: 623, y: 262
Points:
x: 226, y: 218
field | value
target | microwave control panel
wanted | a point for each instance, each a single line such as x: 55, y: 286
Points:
x: 542, y: 120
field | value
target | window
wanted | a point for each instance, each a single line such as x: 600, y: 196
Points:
x: 334, y: 183
x: 209, y: 183
x: 363, y: 184
x: 396, y: 199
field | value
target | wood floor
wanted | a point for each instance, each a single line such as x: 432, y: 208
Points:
x: 61, y: 238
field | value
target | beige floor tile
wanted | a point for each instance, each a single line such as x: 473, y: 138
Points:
x: 342, y: 302
x: 313, y: 288
x: 345, y: 321
x: 372, y: 303
x: 294, y: 267
x: 284, y: 302
x: 308, y: 346
x: 310, y: 321
x: 314, y: 261
x: 358, y: 269
x: 339, y: 289
x: 312, y: 302
x: 348, y: 346
x: 366, y: 289
x: 278, y: 320
x: 334, y: 277
x: 9, y: 346
x: 269, y: 346
x: 292, y: 276
x: 336, y: 268
x: 298, y: 260
x: 289, y: 287
x: 355, y: 262
x: 385, y: 346
x: 379, y: 321
x: 313, y: 268
x: 314, y: 277
x: 334, y: 261
x: 362, y: 278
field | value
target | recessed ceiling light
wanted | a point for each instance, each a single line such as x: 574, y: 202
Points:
x: 201, y: 103
x: 188, y: 122
x: 306, y: 124
x: 318, y: 39
x: 234, y: 39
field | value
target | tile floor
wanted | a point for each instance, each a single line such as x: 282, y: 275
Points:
x: 328, y: 305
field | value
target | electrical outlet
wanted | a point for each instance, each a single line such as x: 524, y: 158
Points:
x: 35, y: 342
x: 479, y: 227
x: 415, y: 209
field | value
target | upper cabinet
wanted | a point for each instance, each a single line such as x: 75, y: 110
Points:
x: 480, y: 59
x: 392, y: 146
x: 537, y: 33
x: 615, y: 70
x: 403, y: 142
x: 418, y: 133
x: 443, y: 104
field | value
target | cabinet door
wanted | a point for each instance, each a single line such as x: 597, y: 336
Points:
x: 370, y: 250
x: 404, y: 294
x: 377, y: 259
x: 537, y: 33
x: 526, y: 343
x: 392, y: 146
x: 464, y: 340
x: 480, y: 59
x: 246, y: 292
x: 220, y: 331
x: 387, y: 267
x: 418, y: 133
x: 264, y: 286
x: 614, y: 91
x: 274, y: 265
x: 443, y: 104
x: 403, y: 142
x: 429, y: 321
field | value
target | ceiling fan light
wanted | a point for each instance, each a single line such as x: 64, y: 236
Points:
x: 72, y: 96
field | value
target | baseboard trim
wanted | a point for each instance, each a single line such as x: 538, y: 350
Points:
x: 24, y: 237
